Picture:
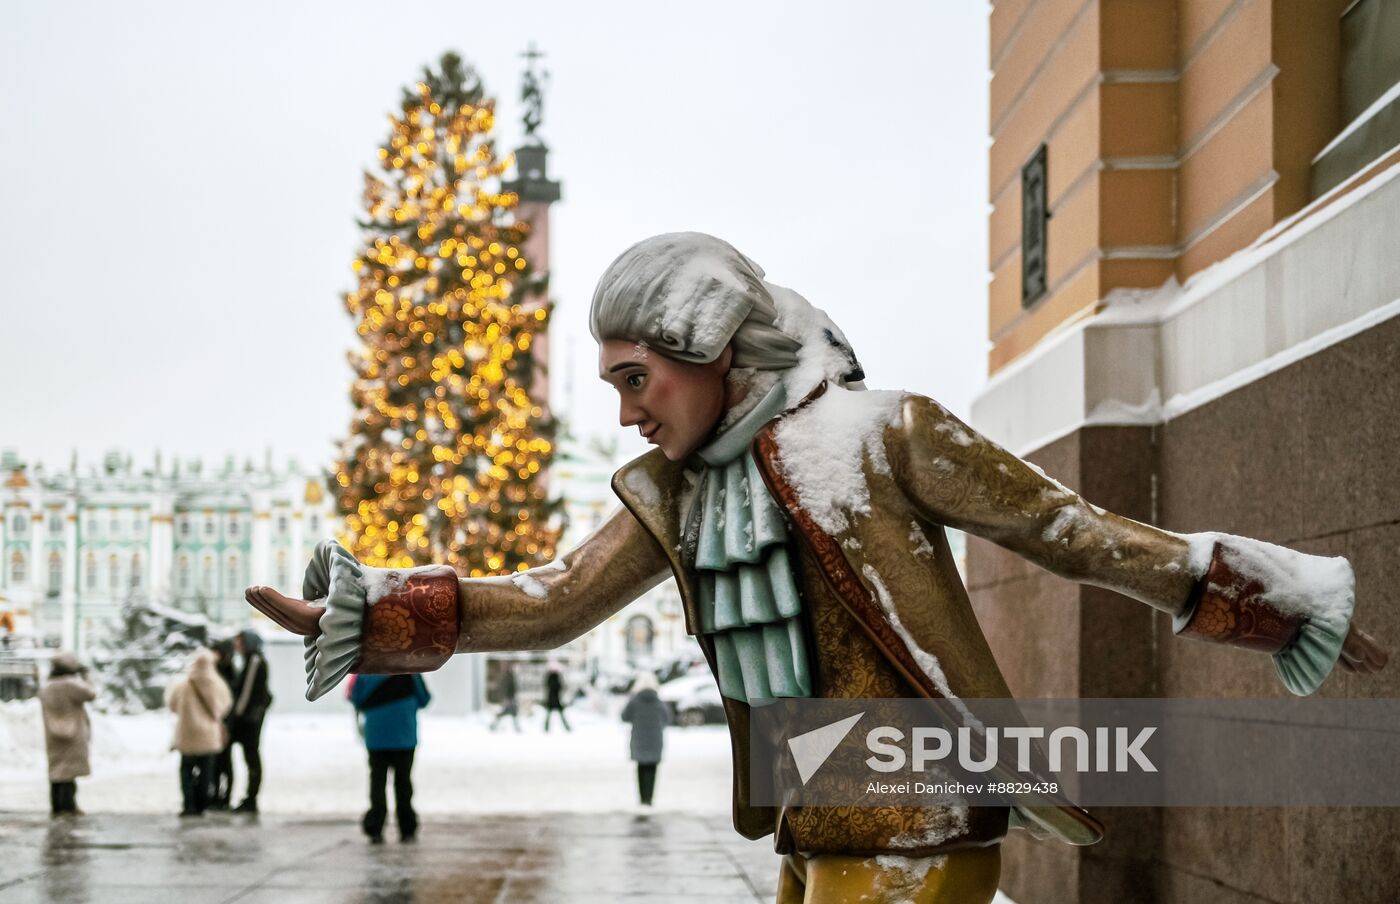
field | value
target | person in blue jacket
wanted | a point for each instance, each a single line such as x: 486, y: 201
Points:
x: 389, y: 705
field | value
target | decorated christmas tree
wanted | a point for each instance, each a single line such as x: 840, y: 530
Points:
x: 448, y: 449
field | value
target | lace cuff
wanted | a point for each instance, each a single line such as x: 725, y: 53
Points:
x: 380, y: 621
x: 1303, y: 666
x: 335, y: 579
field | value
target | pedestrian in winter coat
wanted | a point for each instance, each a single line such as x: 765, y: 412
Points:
x: 251, y: 699
x: 554, y: 696
x: 200, y: 700
x: 649, y: 716
x: 64, y: 702
x: 223, y: 760
x: 510, y: 705
x: 389, y: 705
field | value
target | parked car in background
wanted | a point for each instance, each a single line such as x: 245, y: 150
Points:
x: 694, y: 699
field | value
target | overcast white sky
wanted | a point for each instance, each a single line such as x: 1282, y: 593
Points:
x: 179, y: 182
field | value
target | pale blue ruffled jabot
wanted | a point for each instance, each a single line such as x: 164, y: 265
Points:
x: 736, y: 536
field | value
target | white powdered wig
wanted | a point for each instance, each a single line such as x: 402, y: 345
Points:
x: 689, y: 295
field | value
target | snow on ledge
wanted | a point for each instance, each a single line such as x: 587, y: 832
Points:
x: 1144, y: 358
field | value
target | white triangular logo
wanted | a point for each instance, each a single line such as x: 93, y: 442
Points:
x: 810, y: 750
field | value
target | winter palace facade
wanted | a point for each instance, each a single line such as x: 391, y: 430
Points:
x: 77, y: 544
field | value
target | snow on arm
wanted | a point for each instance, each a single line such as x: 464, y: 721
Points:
x: 381, y: 582
x: 530, y: 585
x: 1318, y: 587
x: 955, y: 477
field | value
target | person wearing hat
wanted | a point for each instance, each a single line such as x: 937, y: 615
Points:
x: 63, y: 700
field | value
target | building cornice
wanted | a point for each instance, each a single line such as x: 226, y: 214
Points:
x: 1312, y: 281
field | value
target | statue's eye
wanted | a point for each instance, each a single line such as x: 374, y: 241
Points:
x: 635, y: 380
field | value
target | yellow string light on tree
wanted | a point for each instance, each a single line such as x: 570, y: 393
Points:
x: 445, y: 455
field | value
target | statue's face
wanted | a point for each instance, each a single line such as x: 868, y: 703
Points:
x: 675, y: 404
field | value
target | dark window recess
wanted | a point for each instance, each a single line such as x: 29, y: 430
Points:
x: 1034, y: 217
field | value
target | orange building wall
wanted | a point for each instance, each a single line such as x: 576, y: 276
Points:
x: 1177, y: 132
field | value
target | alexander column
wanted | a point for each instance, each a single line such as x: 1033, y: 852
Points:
x: 537, y: 192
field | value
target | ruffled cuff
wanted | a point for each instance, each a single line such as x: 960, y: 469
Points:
x: 1294, y: 606
x: 335, y: 579
x: 380, y: 621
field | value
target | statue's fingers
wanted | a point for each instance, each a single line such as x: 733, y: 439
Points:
x: 1376, y: 656
x: 293, y: 614
x: 1362, y: 653
x: 256, y: 600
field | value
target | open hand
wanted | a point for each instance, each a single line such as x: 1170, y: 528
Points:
x: 1361, y: 653
x: 297, y: 616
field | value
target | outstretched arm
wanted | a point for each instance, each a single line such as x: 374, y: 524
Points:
x: 412, y: 620
x: 1216, y: 586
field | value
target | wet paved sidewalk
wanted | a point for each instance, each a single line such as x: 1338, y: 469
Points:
x: 501, y: 859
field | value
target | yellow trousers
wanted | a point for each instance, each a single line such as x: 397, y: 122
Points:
x: 961, y: 877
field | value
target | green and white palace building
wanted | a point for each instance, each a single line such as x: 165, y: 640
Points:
x: 76, y: 544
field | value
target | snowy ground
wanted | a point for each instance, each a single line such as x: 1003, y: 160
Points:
x: 316, y: 764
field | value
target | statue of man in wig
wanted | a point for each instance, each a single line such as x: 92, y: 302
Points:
x: 802, y: 517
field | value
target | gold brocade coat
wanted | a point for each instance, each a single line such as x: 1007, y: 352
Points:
x: 936, y: 472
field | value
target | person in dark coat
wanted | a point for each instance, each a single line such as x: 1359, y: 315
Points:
x: 389, y: 705
x: 510, y: 705
x: 649, y: 716
x: 251, y: 699
x: 63, y: 701
x: 223, y: 760
x: 554, y: 696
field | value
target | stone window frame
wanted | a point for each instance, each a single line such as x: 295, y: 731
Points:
x: 234, y: 569
x: 284, y: 571
x: 184, y: 575
x: 208, y: 575
x: 114, y: 575
x: 55, y: 573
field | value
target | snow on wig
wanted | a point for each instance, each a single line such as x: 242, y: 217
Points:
x: 689, y: 295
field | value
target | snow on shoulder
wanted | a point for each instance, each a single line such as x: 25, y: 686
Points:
x: 822, y: 449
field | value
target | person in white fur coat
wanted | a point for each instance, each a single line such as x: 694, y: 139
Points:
x: 200, y: 699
